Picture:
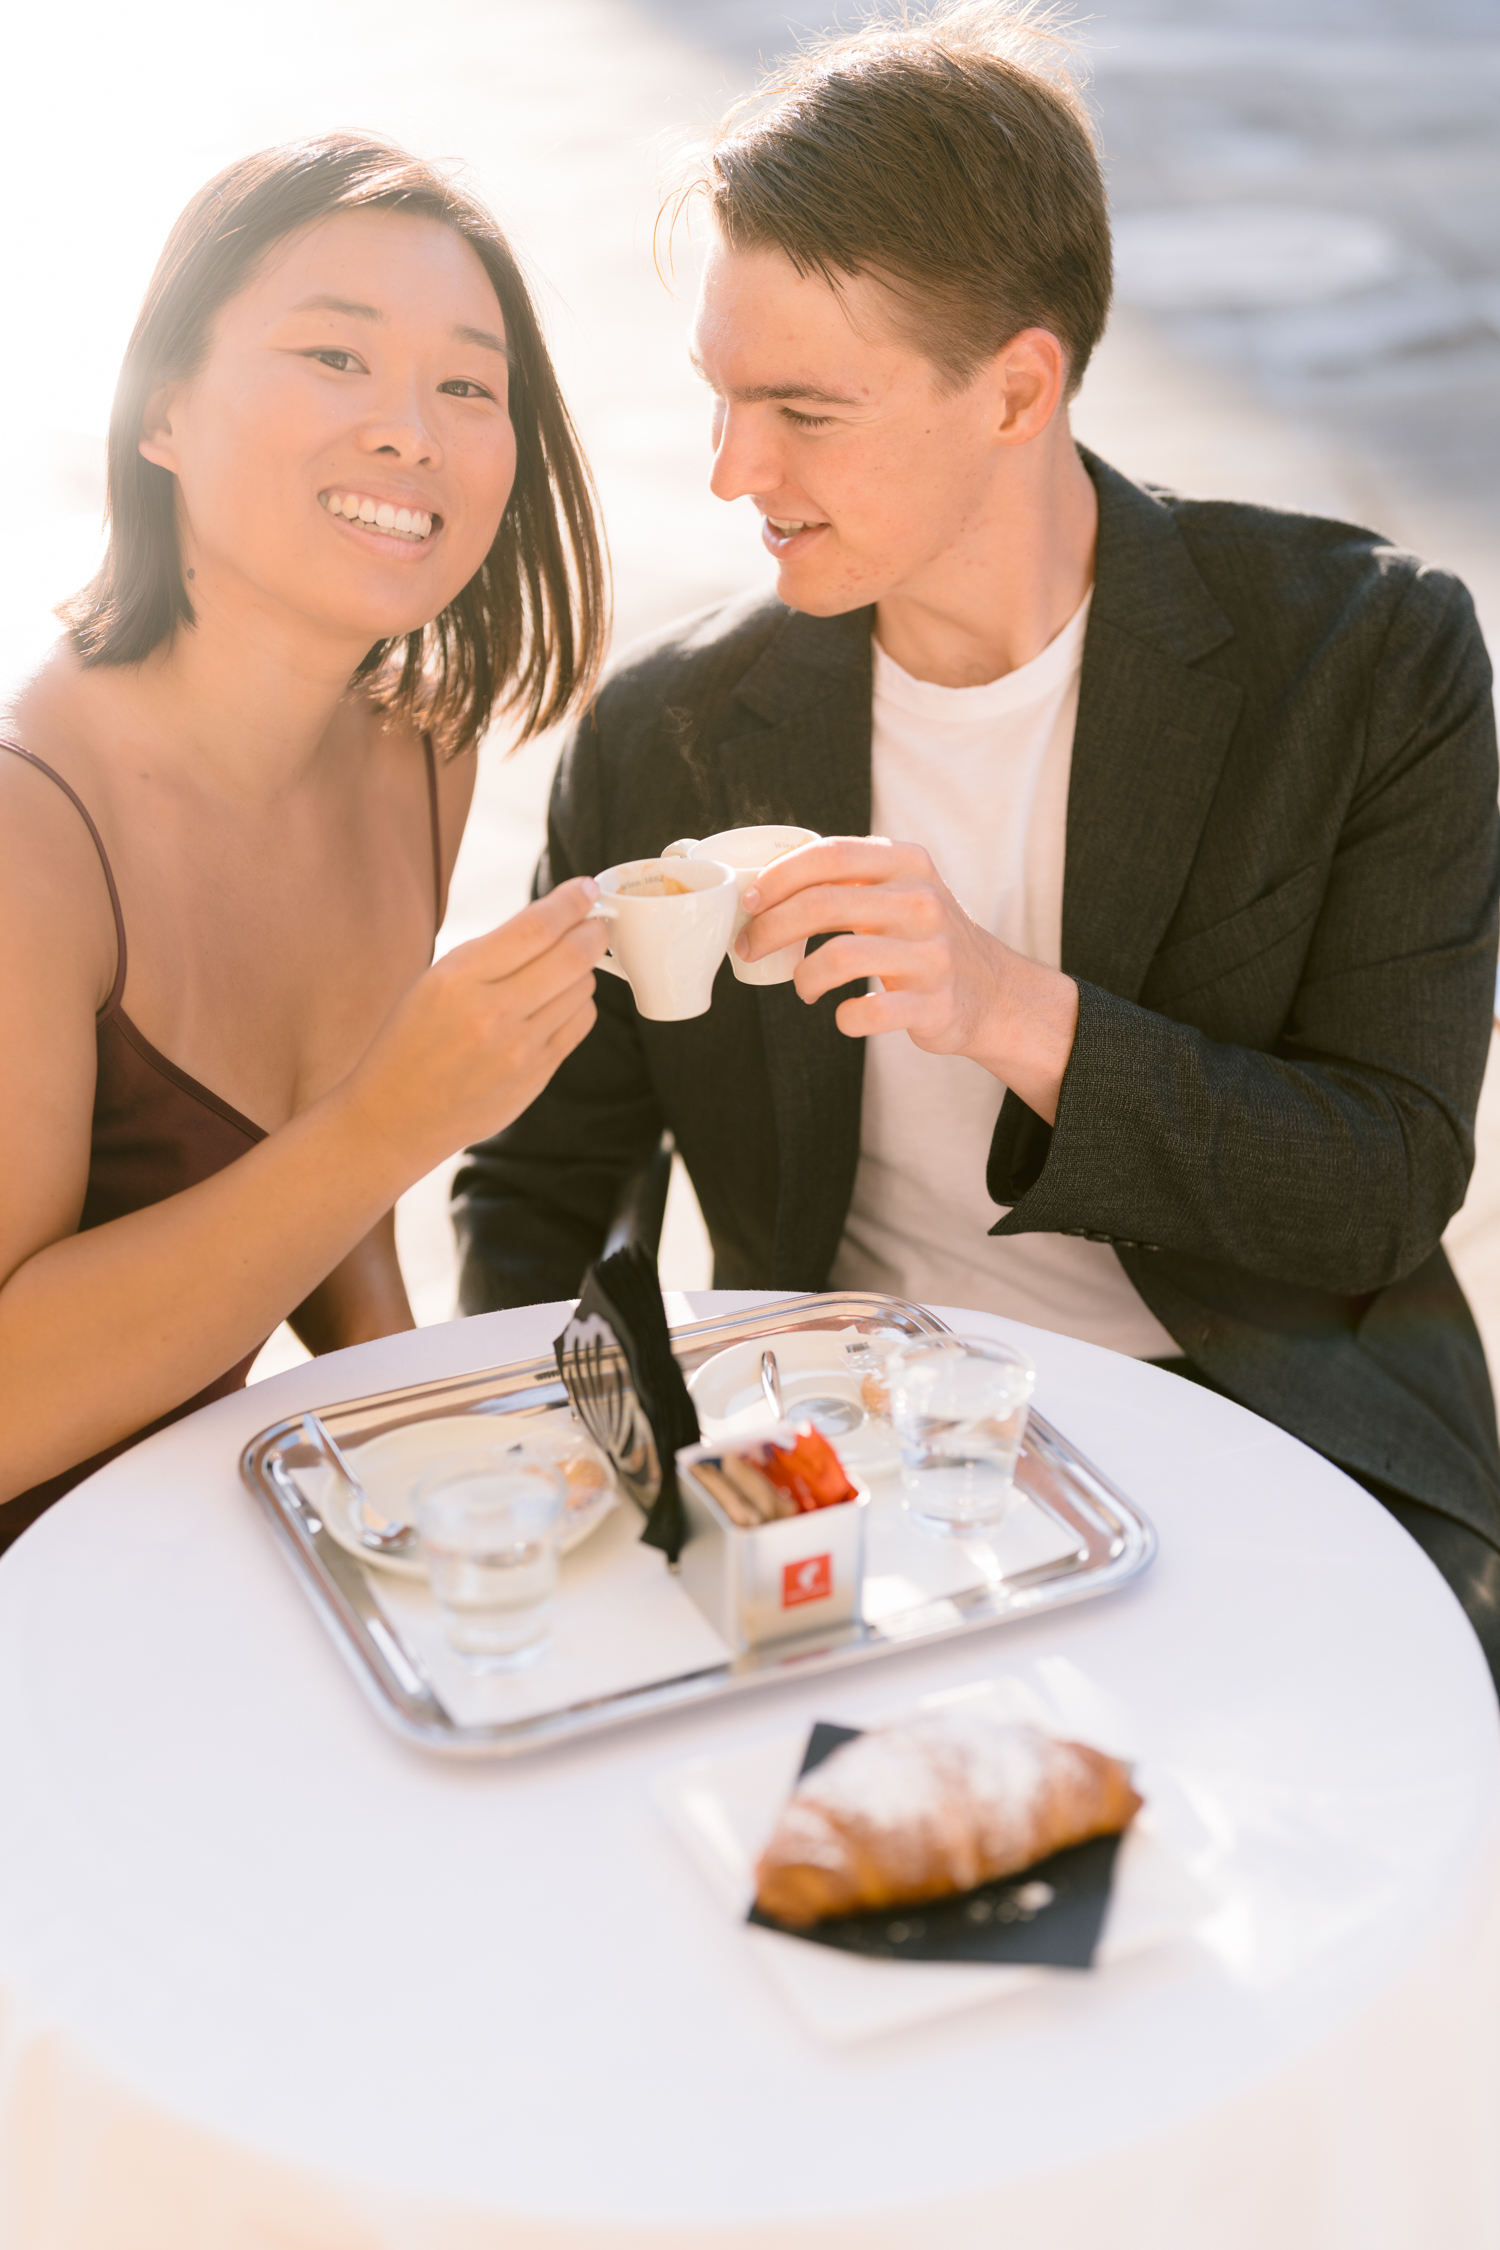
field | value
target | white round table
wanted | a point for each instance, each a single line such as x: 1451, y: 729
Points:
x: 268, y: 1976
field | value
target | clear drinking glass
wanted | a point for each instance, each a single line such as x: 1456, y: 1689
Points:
x: 959, y: 1405
x: 489, y: 1537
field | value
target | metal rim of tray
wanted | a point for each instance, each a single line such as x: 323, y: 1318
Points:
x: 1116, y: 1542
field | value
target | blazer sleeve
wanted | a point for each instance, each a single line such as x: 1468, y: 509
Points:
x: 532, y: 1205
x: 1336, y: 1159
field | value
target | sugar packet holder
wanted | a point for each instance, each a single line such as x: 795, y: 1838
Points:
x: 767, y: 1582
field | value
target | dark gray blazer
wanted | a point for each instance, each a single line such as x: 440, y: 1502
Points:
x: 1280, y: 897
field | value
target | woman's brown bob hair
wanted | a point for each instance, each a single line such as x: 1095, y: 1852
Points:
x: 527, y: 633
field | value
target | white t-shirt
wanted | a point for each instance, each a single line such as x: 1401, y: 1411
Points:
x: 979, y: 776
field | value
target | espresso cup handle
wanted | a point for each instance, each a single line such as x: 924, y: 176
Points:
x: 605, y: 910
x: 684, y: 848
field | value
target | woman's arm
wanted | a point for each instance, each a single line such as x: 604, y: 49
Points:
x: 364, y: 1296
x: 103, y: 1331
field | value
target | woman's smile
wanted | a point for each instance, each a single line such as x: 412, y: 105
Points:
x: 385, y: 519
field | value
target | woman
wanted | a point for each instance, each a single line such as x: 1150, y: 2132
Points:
x: 348, y: 519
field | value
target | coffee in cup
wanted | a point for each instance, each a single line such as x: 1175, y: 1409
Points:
x: 749, y: 851
x: 654, y: 886
x: 669, y: 926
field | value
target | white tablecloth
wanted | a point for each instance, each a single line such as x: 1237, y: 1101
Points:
x: 268, y: 1977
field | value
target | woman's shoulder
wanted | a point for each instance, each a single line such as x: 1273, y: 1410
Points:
x: 53, y: 879
x: 44, y: 766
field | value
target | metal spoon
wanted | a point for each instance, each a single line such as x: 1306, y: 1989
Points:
x: 381, y: 1538
x: 835, y: 1417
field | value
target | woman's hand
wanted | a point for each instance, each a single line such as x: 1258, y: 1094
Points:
x: 952, y: 987
x: 479, y: 1034
x: 161, y: 1301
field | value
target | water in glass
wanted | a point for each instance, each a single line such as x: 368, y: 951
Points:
x: 489, y: 1536
x: 959, y: 1406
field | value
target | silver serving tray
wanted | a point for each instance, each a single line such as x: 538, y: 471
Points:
x: 1111, y: 1541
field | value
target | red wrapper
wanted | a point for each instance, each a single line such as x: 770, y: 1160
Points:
x: 808, y: 1471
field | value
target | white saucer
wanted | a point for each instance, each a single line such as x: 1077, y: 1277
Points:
x: 813, y: 1363
x: 392, y: 1466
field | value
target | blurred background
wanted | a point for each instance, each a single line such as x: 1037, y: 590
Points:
x: 1307, y: 202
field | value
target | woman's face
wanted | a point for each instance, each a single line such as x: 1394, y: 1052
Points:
x: 344, y: 453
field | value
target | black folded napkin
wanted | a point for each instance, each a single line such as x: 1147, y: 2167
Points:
x: 615, y: 1358
x: 1051, y: 1913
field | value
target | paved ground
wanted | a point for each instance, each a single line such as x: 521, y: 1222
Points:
x: 1339, y: 158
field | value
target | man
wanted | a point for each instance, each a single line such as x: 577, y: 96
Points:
x: 1163, y: 1017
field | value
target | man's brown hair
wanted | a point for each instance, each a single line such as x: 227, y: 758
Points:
x: 950, y: 158
x: 527, y: 632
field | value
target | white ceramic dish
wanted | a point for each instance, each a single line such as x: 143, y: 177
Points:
x: 723, y: 1809
x: 814, y: 1363
x: 393, y: 1465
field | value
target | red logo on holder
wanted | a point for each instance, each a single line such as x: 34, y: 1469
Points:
x: 809, y: 1581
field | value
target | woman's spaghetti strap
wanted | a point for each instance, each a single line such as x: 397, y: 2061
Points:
x: 437, y: 838
x: 87, y: 818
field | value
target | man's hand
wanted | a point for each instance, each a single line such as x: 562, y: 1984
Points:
x: 948, y: 984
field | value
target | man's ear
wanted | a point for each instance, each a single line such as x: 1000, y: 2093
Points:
x: 1031, y: 378
x: 155, y: 441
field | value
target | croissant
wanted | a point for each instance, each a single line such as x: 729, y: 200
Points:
x: 934, y: 1807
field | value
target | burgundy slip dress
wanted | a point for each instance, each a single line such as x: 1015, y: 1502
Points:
x: 155, y: 1132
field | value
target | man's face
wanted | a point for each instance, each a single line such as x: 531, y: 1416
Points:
x: 869, y: 479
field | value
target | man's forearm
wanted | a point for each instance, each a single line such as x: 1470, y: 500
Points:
x: 1026, y: 1038
x: 1325, y: 1173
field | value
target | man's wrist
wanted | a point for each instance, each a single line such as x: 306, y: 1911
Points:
x: 1026, y: 1037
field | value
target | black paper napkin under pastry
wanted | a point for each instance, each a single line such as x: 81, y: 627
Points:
x: 1001, y: 1921
x: 615, y: 1358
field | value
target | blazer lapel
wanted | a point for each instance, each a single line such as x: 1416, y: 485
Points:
x: 1150, y: 741
x: 808, y: 764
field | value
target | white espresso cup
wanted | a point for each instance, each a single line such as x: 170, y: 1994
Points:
x: 667, y: 944
x: 749, y: 851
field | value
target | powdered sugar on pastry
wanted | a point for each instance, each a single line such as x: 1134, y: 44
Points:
x: 931, y: 1808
